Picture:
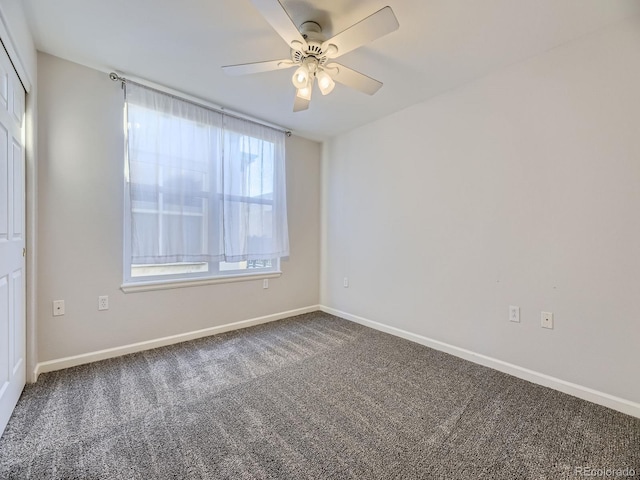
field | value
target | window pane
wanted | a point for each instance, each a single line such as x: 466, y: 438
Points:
x: 146, y: 233
x: 183, y: 230
x: 180, y: 179
x: 246, y: 265
x: 227, y: 266
x: 183, y: 204
x: 168, y: 269
x: 144, y: 170
x: 202, y: 186
x: 145, y: 198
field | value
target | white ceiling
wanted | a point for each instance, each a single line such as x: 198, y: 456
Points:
x: 440, y: 45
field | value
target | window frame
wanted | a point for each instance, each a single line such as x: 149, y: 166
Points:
x: 214, y: 274
x: 162, y: 282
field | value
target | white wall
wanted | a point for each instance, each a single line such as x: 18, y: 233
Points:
x: 80, y: 229
x: 522, y: 188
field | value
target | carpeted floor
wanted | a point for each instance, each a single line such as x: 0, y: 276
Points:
x: 312, y: 397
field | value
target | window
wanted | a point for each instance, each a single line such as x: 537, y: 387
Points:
x: 205, y: 192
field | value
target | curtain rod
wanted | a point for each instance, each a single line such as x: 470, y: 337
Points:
x: 117, y: 78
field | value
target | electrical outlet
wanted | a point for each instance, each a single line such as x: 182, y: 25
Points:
x: 514, y: 314
x: 103, y: 302
x: 58, y: 308
x: 546, y: 320
x: 345, y: 282
x: 265, y: 283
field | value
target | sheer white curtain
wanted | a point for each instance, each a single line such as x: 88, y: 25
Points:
x: 202, y: 186
x: 254, y: 206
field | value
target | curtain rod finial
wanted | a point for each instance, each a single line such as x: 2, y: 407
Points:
x: 114, y: 76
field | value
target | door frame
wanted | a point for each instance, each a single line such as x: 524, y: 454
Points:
x: 8, y: 41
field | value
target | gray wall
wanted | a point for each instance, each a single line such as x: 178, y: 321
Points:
x: 522, y: 188
x: 80, y: 211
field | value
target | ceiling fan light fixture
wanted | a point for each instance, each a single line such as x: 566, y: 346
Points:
x: 325, y: 82
x: 304, y: 92
x: 311, y: 50
x: 300, y: 78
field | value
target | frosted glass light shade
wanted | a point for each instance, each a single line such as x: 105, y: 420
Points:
x: 304, y: 92
x: 300, y: 78
x: 325, y: 82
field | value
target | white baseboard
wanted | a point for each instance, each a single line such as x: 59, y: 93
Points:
x: 625, y: 406
x: 61, y: 363
x: 622, y: 405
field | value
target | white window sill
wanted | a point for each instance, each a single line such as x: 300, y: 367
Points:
x: 147, y: 286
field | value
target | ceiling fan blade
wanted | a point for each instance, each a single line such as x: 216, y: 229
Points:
x: 257, y: 67
x: 367, y: 30
x: 351, y: 78
x: 300, y: 104
x: 279, y: 19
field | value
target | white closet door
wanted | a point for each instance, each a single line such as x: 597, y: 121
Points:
x: 12, y: 239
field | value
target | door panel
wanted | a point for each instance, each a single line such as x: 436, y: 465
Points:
x: 18, y: 104
x: 4, y: 88
x: 5, y: 367
x: 4, y: 179
x: 12, y: 241
x: 18, y: 190
x: 18, y: 330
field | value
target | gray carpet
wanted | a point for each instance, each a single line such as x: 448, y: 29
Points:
x: 314, y: 397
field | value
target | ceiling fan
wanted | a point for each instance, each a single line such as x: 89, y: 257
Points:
x: 312, y: 53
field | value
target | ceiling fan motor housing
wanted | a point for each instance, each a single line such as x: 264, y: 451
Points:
x: 312, y: 33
